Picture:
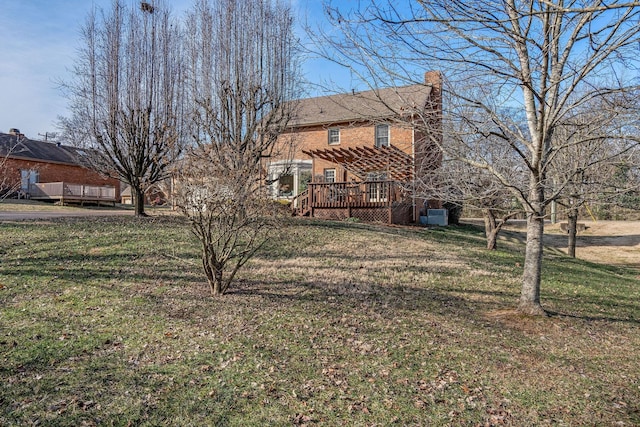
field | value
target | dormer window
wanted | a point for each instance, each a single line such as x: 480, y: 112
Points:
x: 334, y: 136
x: 382, y: 135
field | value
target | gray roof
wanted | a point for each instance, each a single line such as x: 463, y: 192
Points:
x: 31, y: 149
x: 369, y: 105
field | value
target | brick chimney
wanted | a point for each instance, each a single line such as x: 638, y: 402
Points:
x: 434, y: 79
x: 16, y: 132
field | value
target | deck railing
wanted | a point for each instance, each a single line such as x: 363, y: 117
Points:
x: 72, y: 192
x: 354, y: 194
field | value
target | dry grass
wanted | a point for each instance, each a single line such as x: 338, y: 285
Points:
x: 108, y: 322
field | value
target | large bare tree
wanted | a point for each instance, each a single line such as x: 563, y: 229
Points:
x: 459, y: 181
x: 541, y: 58
x: 241, y: 77
x: 586, y: 171
x: 126, y: 98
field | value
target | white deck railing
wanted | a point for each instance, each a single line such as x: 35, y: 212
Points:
x: 63, y: 190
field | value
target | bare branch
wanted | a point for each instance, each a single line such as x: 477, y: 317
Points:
x: 241, y: 77
x: 127, y: 97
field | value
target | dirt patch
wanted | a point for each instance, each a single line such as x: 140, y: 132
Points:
x: 605, y: 242
x: 608, y: 242
x: 513, y: 319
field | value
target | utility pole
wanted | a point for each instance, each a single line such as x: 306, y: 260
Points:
x: 46, y: 135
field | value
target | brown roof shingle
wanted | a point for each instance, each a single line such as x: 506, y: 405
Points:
x: 31, y: 149
x: 359, y: 106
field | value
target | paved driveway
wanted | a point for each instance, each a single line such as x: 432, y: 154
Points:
x: 35, y: 214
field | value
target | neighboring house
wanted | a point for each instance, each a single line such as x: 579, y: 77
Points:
x: 358, y: 154
x: 156, y: 195
x: 50, y: 171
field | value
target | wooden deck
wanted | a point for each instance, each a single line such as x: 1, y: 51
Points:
x: 67, y: 192
x: 356, y: 195
x: 368, y: 200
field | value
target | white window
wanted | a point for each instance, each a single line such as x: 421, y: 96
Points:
x: 382, y: 135
x: 288, y: 178
x: 377, y: 187
x: 329, y: 175
x: 334, y: 136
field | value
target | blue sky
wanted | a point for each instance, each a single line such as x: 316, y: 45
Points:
x: 38, y: 44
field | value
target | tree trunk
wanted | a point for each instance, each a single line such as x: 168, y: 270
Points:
x: 209, y: 266
x: 572, y: 228
x: 217, y: 286
x: 490, y: 229
x: 530, y: 294
x: 138, y: 200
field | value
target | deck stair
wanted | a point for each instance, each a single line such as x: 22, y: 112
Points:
x: 300, y: 204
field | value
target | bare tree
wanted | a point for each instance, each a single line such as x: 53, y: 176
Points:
x: 231, y: 214
x: 241, y: 76
x: 586, y: 171
x: 460, y: 182
x: 8, y: 145
x: 126, y: 98
x: 626, y: 184
x: 532, y: 56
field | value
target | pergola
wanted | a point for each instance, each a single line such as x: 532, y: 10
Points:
x: 362, y: 160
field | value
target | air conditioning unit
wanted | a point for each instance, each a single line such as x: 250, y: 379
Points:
x: 435, y: 217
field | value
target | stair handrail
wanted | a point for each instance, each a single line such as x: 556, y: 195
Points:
x: 300, y: 201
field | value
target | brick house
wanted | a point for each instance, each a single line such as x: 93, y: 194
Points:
x: 357, y: 154
x: 50, y: 171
